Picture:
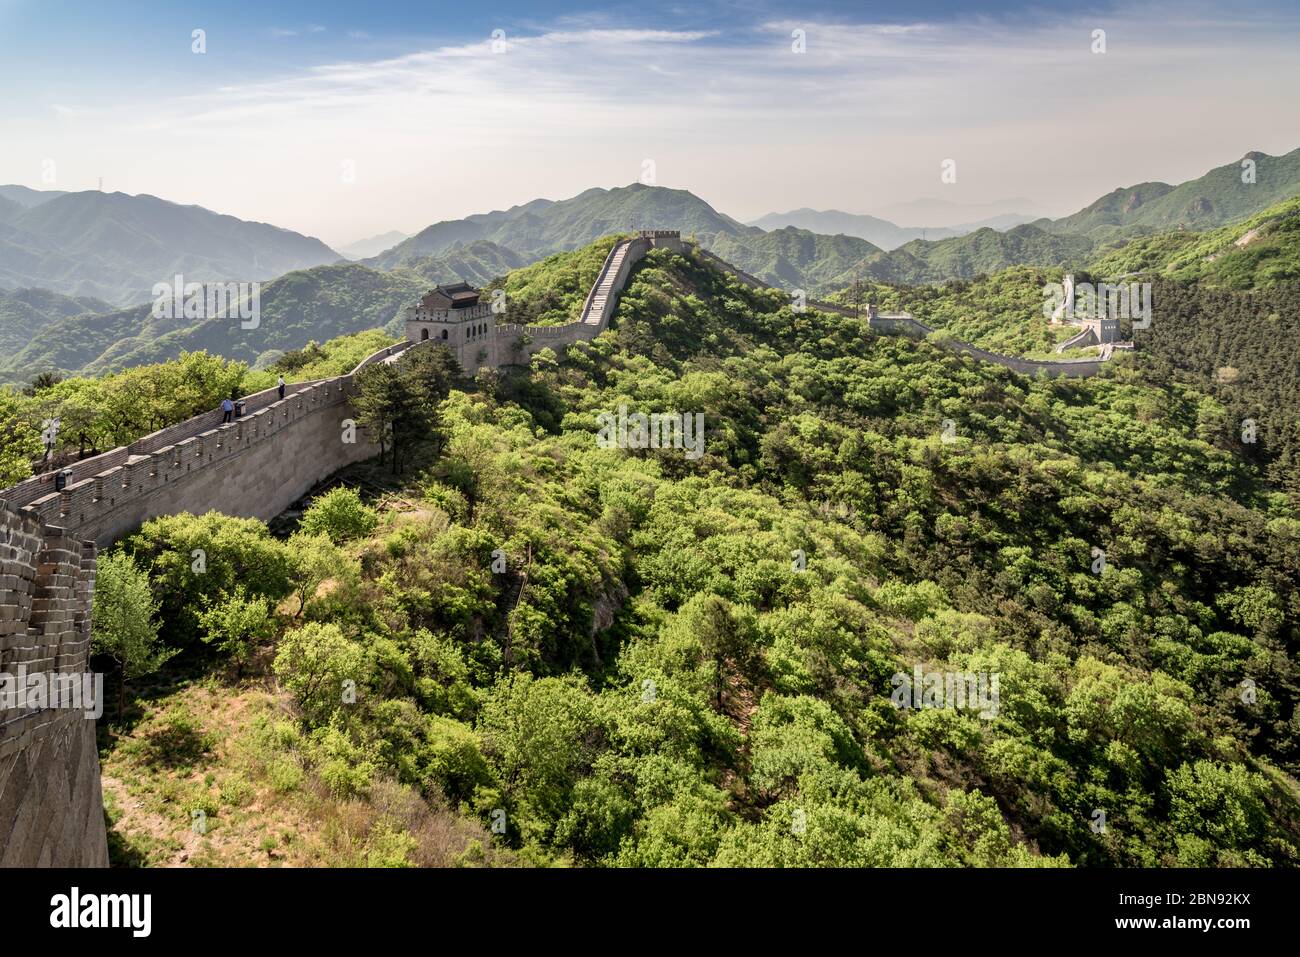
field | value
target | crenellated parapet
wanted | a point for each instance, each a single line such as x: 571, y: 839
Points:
x: 254, y: 466
x: 51, y: 812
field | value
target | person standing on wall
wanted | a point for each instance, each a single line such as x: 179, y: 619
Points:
x: 227, y: 410
x: 280, y: 385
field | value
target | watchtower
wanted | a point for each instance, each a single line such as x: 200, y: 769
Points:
x: 454, y: 316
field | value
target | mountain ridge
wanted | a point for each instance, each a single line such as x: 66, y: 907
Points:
x: 117, y: 246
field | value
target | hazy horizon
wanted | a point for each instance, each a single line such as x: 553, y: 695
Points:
x: 345, y: 123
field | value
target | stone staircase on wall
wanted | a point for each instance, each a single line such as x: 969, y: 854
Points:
x: 601, y: 300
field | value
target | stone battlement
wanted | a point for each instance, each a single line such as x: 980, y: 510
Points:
x: 51, y: 810
x: 254, y: 466
x: 493, y: 345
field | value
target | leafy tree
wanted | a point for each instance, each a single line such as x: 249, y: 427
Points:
x: 197, y: 561
x: 125, y: 626
x: 339, y: 515
x: 20, y: 443
x: 237, y: 624
x: 316, y: 663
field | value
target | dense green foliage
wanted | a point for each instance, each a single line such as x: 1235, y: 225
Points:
x: 339, y: 515
x: 1240, y: 347
x: 336, y: 357
x: 551, y: 292
x: 1001, y: 313
x: 630, y: 657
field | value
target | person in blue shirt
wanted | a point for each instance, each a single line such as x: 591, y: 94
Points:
x: 228, y: 410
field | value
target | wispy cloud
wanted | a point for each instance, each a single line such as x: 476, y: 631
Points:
x: 283, y: 32
x: 862, y: 117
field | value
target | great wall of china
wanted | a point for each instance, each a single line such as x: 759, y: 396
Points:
x: 256, y: 466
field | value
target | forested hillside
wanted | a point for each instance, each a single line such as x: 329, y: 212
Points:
x: 1260, y: 251
x: 26, y: 312
x: 980, y: 253
x: 573, y: 654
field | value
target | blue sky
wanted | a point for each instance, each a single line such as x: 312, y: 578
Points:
x: 345, y: 119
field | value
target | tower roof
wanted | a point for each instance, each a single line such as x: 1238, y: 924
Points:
x: 450, y: 296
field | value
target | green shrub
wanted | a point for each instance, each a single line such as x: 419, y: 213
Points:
x: 339, y: 514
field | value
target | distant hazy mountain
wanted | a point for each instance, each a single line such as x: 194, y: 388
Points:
x: 878, y: 232
x: 116, y: 247
x: 365, y: 248
x: 930, y: 211
x: 832, y: 222
x: 27, y: 198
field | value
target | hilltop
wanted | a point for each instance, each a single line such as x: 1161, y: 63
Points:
x: 296, y: 308
x: 790, y: 257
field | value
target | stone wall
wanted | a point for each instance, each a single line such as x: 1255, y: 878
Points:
x: 904, y: 325
x: 51, y: 808
x: 514, y: 344
x: 253, y: 467
x: 897, y: 325
x: 50, y: 801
